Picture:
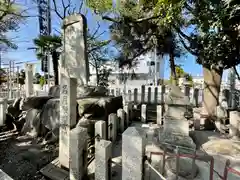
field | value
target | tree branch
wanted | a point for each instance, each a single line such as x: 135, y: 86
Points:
x: 56, y: 10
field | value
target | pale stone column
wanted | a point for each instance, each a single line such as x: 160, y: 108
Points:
x: 159, y: 114
x: 121, y: 116
x: 75, y: 59
x: 149, y: 95
x: 74, y: 67
x: 133, y: 152
x: 3, y: 108
x: 144, y: 113
x: 78, y: 153
x: 103, y: 155
x: 100, y: 129
x: 68, y: 104
x: 29, y: 79
x: 112, y: 127
x: 142, y: 94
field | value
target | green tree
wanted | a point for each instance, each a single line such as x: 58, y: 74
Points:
x: 96, y: 47
x: 213, y: 45
x: 42, y: 81
x: 49, y: 44
x: 11, y: 16
x: 141, y: 27
x: 214, y: 36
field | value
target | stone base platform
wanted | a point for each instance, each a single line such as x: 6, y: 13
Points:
x: 54, y: 171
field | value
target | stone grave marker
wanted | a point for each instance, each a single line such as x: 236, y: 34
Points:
x: 74, y: 66
x: 176, y: 127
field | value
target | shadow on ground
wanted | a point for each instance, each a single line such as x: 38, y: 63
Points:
x: 22, y: 157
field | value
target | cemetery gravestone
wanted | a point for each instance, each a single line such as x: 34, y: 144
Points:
x: 176, y: 127
x: 74, y: 66
x: 74, y: 60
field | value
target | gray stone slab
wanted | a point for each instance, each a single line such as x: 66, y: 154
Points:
x: 103, y: 154
x: 180, y: 127
x: 133, y: 151
x: 54, y: 172
x: 78, y: 155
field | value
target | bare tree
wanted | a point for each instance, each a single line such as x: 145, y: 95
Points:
x: 96, y: 48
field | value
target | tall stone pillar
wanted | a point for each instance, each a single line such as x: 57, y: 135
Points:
x: 74, y: 67
x: 74, y: 57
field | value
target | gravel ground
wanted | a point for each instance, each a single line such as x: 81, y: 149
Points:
x: 22, y: 157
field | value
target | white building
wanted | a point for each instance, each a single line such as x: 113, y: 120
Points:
x: 145, y: 71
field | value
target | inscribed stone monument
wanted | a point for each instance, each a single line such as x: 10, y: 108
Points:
x: 74, y: 66
x: 74, y: 60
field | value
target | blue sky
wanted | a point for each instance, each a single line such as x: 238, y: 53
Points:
x: 30, y: 30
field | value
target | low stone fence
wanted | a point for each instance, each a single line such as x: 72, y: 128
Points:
x: 105, y: 134
x: 155, y: 94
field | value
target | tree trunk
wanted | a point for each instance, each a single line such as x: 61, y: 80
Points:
x: 173, y: 68
x: 55, y: 58
x: 212, y: 84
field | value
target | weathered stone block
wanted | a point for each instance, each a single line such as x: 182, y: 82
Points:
x: 133, y: 152
x: 103, y: 155
x: 78, y: 153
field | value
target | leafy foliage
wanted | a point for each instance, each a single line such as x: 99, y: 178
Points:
x: 10, y: 18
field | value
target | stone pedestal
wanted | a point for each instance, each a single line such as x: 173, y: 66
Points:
x: 133, y: 152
